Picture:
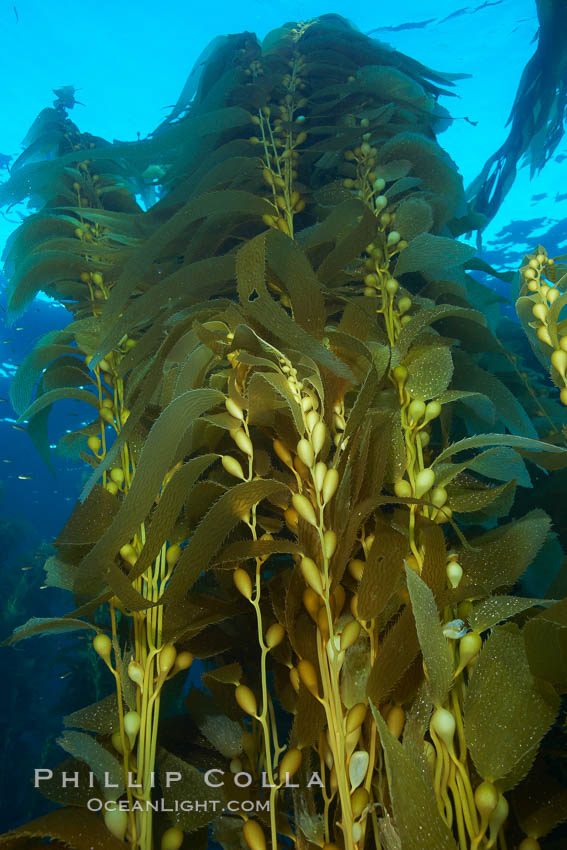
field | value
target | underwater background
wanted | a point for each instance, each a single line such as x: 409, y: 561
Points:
x: 128, y: 62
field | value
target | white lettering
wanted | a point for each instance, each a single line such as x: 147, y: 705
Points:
x: 107, y: 782
x: 265, y: 783
x: 244, y: 783
x: 172, y: 776
x: 211, y: 773
x: 40, y: 774
x: 131, y: 783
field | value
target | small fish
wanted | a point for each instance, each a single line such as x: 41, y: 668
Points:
x: 8, y: 339
x: 4, y: 399
x: 413, y: 25
x: 18, y: 428
x: 25, y: 477
x: 455, y: 629
x: 26, y: 568
x: 7, y: 460
x: 64, y: 676
x: 20, y: 328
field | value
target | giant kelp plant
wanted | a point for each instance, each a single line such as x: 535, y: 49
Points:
x: 305, y: 445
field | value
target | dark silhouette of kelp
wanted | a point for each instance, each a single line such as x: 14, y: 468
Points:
x: 538, y: 115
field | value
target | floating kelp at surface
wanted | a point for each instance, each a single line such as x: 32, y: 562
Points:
x: 306, y: 444
x: 537, y: 116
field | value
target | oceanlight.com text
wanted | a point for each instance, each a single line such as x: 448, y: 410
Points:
x: 95, y: 804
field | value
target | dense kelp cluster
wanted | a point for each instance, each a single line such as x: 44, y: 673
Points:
x: 306, y: 442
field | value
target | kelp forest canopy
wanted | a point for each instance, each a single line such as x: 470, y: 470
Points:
x: 313, y: 443
x: 538, y: 115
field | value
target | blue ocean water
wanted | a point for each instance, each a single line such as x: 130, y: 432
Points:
x: 129, y: 62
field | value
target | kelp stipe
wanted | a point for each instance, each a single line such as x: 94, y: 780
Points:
x: 304, y: 449
x: 539, y: 306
